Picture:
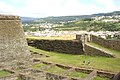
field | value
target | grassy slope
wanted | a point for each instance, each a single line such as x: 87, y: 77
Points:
x: 109, y: 64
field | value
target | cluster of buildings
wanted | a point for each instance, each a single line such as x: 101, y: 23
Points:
x: 107, y: 18
x: 47, y: 30
x: 106, y: 34
x: 42, y: 25
x: 52, y: 33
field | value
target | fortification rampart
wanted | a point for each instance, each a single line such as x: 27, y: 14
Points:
x: 9, y: 17
x: 112, y: 44
x: 13, y: 44
x: 63, y: 46
x: 92, y: 51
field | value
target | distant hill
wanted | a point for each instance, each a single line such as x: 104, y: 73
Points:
x: 67, y: 18
x: 27, y: 19
x: 108, y: 14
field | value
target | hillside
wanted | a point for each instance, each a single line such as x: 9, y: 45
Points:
x: 108, y: 14
x: 66, y: 18
x: 27, y: 19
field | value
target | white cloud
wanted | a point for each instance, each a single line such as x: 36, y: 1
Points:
x: 108, y: 5
x: 43, y: 8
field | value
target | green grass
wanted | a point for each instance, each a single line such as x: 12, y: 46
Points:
x: 56, y: 69
x: 67, y: 28
x: 108, y: 64
x: 111, y: 51
x: 4, y: 73
x: 84, y: 75
x: 77, y: 74
x: 38, y: 65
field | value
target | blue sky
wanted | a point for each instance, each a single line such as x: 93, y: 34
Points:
x: 44, y: 8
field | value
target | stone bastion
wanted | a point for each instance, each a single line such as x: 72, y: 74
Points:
x: 13, y: 44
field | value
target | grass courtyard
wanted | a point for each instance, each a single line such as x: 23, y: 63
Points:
x: 100, y: 63
x: 96, y: 62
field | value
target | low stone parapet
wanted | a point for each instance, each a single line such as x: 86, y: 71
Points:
x: 9, y: 17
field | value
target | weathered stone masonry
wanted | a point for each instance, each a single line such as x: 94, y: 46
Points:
x: 112, y: 44
x: 63, y: 46
x: 13, y: 43
x: 92, y: 51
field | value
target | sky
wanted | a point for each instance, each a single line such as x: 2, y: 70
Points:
x: 45, y: 8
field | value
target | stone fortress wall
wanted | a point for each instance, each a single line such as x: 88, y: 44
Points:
x: 108, y: 43
x: 92, y: 51
x: 13, y: 44
x: 62, y: 46
x: 9, y: 17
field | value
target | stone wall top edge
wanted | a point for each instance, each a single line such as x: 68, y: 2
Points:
x: 9, y: 17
